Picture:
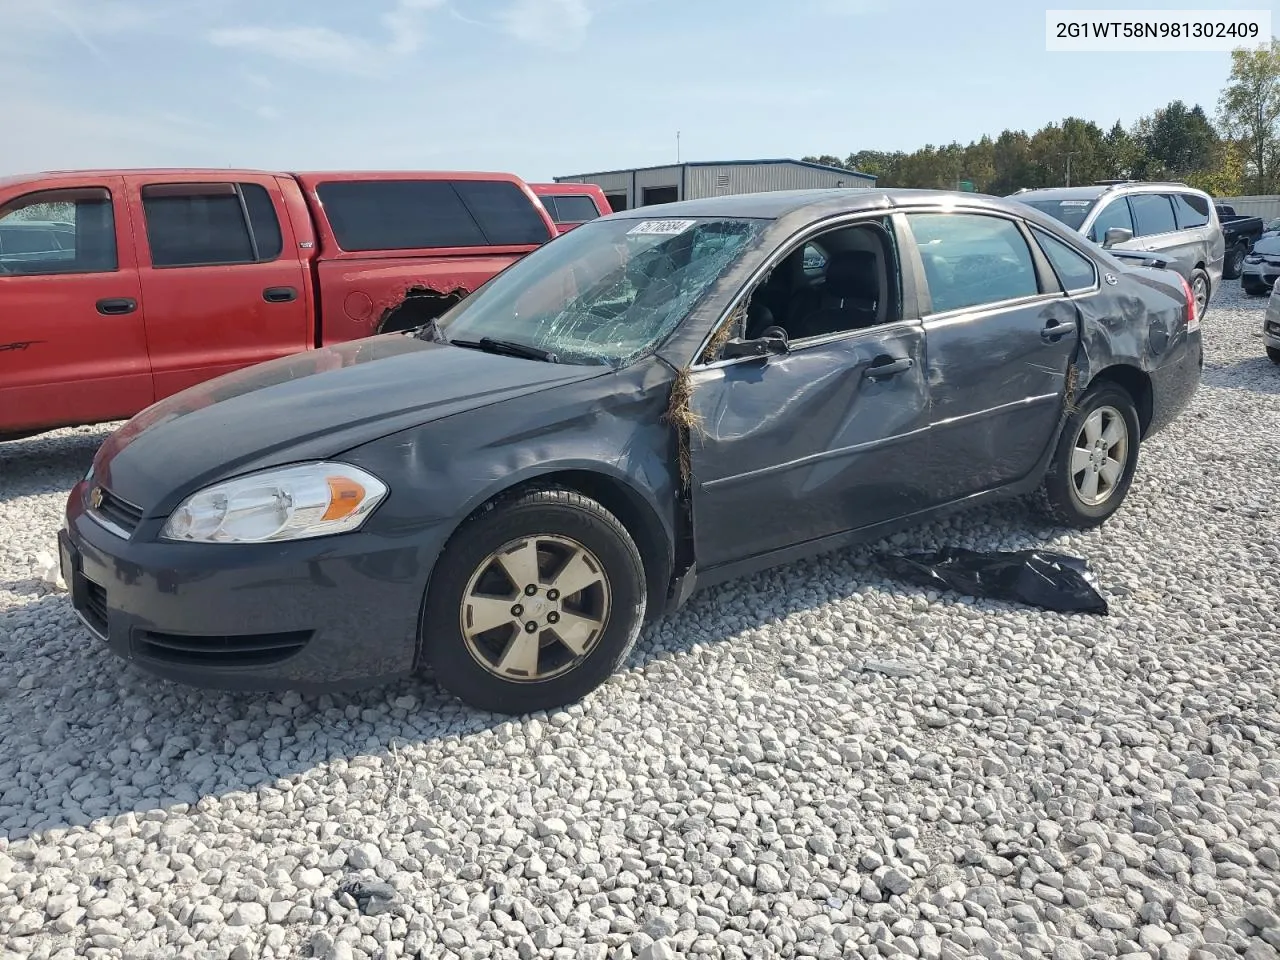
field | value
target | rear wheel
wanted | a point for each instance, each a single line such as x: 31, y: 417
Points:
x: 1274, y: 354
x: 534, y: 603
x: 1096, y: 457
x: 1233, y: 264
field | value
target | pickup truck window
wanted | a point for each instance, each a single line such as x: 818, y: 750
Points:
x: 58, y: 231
x: 203, y: 224
x: 426, y: 214
x: 1191, y: 211
x: 570, y: 208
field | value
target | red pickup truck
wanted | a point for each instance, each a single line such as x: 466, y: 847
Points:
x: 572, y: 204
x: 119, y: 288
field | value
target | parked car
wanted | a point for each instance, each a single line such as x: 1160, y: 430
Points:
x: 1272, y: 228
x: 572, y: 204
x: 35, y: 239
x: 1239, y: 233
x: 1271, y: 326
x: 1170, y: 219
x: 1261, y: 267
x: 162, y: 279
x: 651, y: 403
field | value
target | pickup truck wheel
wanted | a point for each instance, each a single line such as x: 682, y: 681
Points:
x: 1233, y: 266
x: 534, y: 603
x: 1095, y: 460
x: 1274, y: 354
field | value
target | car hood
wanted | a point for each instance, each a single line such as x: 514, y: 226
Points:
x: 309, y: 405
x: 1268, y: 245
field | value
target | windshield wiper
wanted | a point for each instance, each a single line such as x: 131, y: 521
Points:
x: 508, y: 347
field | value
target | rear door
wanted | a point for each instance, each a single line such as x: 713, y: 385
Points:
x: 220, y: 275
x: 73, y: 346
x: 1000, y: 334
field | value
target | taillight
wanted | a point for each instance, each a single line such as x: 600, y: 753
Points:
x: 1192, y: 320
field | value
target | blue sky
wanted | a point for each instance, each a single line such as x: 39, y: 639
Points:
x: 546, y: 87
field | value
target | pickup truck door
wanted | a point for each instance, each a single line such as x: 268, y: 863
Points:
x: 73, y: 347
x: 221, y: 275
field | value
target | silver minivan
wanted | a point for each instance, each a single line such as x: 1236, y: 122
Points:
x: 1171, y: 219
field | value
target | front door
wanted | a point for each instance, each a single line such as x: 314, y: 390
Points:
x: 73, y: 348
x: 1001, y: 334
x: 831, y: 436
x: 223, y: 284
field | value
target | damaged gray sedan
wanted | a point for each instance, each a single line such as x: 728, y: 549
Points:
x: 656, y: 401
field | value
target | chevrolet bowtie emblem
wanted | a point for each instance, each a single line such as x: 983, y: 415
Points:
x: 95, y: 498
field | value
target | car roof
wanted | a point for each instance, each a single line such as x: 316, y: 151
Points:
x: 1095, y: 190
x: 1063, y: 193
x: 565, y: 189
x: 775, y: 204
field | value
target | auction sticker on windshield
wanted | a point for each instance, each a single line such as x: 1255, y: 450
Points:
x: 663, y: 228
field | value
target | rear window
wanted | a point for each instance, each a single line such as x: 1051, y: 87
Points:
x: 571, y: 209
x: 427, y: 214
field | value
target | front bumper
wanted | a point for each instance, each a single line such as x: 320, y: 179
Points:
x: 1260, y: 274
x: 310, y: 615
x: 1271, y: 326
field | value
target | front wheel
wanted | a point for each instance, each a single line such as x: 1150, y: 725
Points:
x: 1274, y: 354
x: 534, y: 603
x: 1254, y: 289
x: 1095, y: 460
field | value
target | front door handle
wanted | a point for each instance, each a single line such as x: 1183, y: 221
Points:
x: 888, y: 367
x: 1055, y: 331
x: 279, y: 294
x: 116, y: 306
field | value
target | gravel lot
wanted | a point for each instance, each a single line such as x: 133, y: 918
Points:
x: 816, y: 762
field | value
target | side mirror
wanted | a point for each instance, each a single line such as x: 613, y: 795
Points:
x: 760, y: 347
x: 1116, y: 235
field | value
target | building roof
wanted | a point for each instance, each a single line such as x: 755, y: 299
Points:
x: 725, y: 163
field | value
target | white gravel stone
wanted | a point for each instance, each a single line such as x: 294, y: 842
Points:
x: 816, y: 761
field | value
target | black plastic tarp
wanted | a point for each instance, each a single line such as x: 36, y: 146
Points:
x: 1053, y: 581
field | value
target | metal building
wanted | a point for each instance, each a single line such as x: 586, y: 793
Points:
x: 646, y: 186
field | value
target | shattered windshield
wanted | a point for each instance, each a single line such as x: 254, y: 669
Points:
x: 607, y: 292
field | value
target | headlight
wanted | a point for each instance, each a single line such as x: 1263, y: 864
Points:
x: 286, y: 503
x: 1252, y: 259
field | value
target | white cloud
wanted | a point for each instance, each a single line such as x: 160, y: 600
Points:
x: 405, y: 23
x: 557, y: 24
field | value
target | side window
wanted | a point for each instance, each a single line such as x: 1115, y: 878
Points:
x: 430, y: 214
x: 58, y: 231
x: 207, y: 224
x: 971, y: 260
x: 1075, y: 271
x: 862, y: 288
x: 1153, y: 214
x: 1190, y: 210
x: 1114, y: 214
x: 550, y: 204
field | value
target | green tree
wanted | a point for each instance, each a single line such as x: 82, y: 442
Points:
x: 1250, y: 112
x: 1176, y: 142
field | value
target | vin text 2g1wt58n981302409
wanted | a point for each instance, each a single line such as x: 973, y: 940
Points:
x: 508, y: 493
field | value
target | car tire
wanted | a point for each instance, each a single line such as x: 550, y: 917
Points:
x: 1090, y: 440
x: 1254, y: 289
x: 1233, y: 264
x: 1202, y: 290
x: 1274, y: 354
x: 500, y: 668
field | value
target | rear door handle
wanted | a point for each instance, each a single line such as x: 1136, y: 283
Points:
x: 279, y: 294
x: 115, y: 306
x: 1055, y: 331
x: 888, y: 367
